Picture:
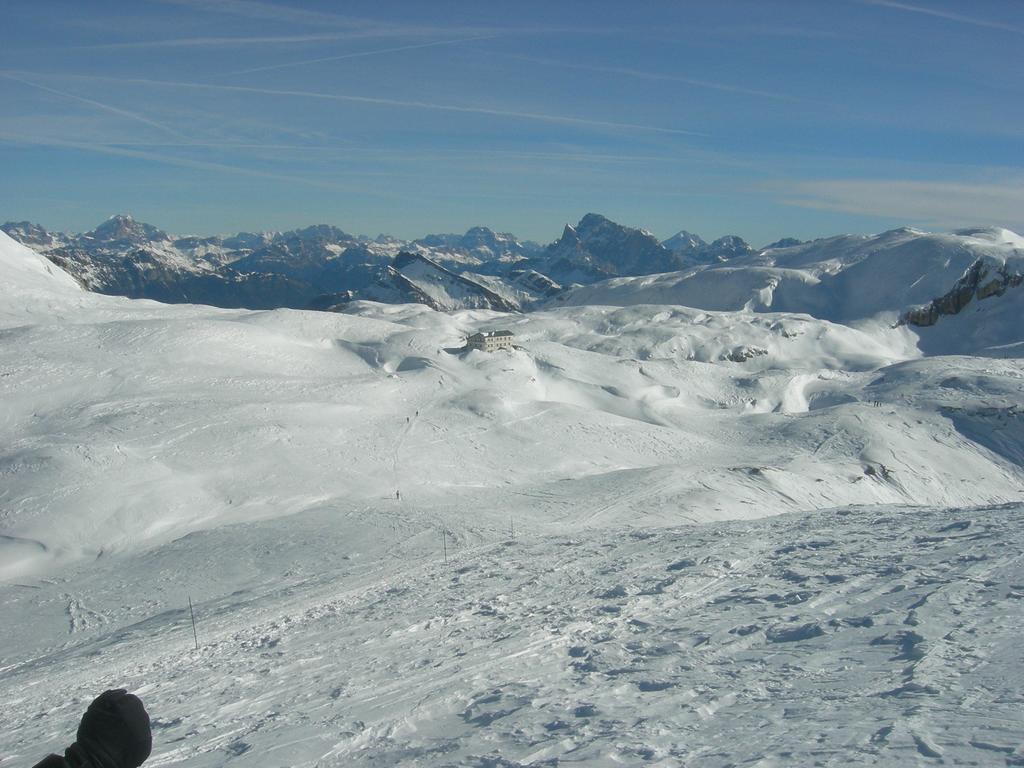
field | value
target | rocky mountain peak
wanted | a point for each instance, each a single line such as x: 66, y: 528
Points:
x: 731, y: 244
x: 598, y: 248
x: 319, y: 232
x: 122, y: 227
x: 593, y: 221
x: 685, y: 242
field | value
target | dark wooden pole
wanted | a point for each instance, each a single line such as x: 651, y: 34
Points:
x: 191, y: 613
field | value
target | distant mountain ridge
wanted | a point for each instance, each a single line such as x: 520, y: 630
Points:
x: 312, y: 266
x: 691, y: 248
x: 919, y: 276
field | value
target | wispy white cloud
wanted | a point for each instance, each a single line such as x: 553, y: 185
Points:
x: 945, y: 203
x: 643, y: 75
x: 221, y: 42
x: 286, y: 14
x: 97, y: 104
x: 357, y: 177
x: 776, y: 30
x: 399, y: 103
x: 359, y: 54
x: 182, y: 162
x: 405, y: 155
x: 257, y: 9
x: 948, y: 15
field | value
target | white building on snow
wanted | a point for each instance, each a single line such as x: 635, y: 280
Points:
x: 489, y: 341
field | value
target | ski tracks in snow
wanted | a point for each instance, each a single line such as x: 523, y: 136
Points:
x: 864, y: 635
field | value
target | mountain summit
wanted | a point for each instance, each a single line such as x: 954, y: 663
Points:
x: 598, y: 248
x: 123, y: 228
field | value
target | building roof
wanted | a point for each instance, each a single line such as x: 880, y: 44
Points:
x: 492, y: 334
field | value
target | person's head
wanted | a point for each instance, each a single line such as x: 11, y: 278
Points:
x: 115, y: 731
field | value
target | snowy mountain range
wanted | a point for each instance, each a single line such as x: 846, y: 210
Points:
x: 903, y: 275
x: 295, y: 269
x: 323, y: 266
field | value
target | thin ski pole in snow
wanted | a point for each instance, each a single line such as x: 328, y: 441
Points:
x: 191, y: 613
x: 444, y: 546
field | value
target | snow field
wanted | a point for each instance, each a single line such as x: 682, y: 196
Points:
x: 251, y: 460
x: 883, y: 635
x: 141, y: 422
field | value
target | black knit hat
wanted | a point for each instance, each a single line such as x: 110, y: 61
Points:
x: 115, y: 732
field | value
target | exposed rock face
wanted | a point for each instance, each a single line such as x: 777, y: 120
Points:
x: 534, y: 282
x: 597, y: 248
x: 980, y: 281
x: 743, y: 353
x: 412, y: 277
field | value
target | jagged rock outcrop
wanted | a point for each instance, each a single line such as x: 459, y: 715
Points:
x: 982, y: 280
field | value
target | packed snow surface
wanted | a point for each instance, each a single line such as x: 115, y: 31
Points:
x: 865, y: 636
x: 620, y: 586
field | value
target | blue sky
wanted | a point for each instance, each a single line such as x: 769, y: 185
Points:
x: 764, y: 119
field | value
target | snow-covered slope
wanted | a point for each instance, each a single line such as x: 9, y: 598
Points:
x: 134, y: 425
x: 883, y: 636
x: 23, y: 270
x: 442, y: 289
x: 32, y: 287
x: 301, y: 476
x: 993, y: 327
x: 842, y: 279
